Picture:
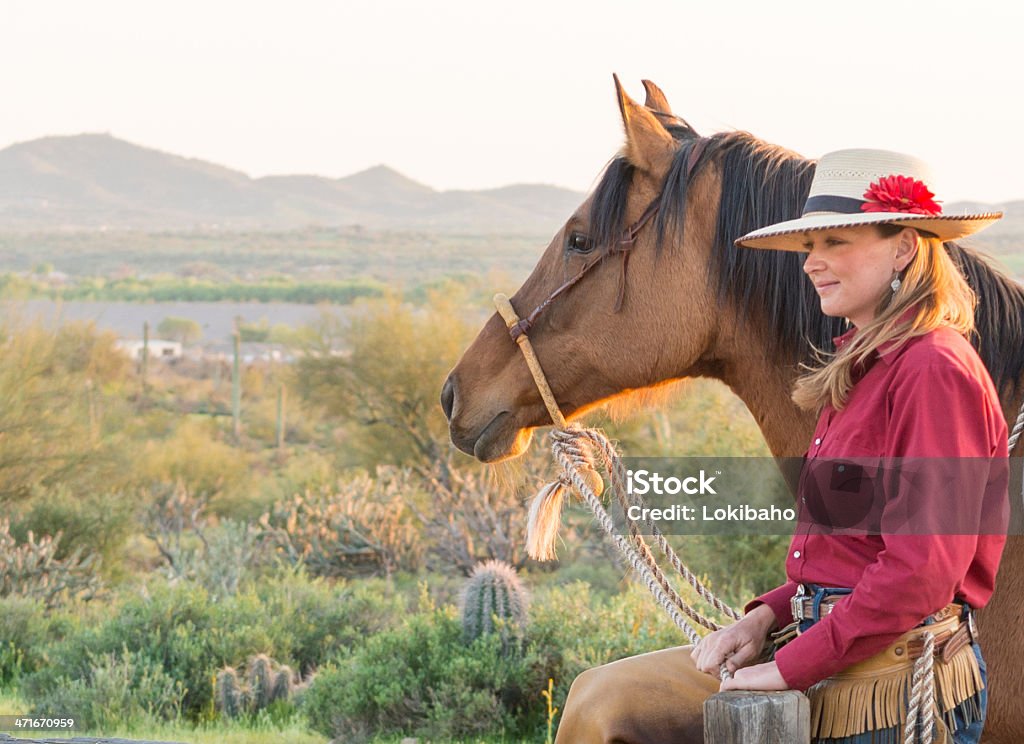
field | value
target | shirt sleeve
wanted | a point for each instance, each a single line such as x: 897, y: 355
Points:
x: 778, y: 600
x: 939, y: 412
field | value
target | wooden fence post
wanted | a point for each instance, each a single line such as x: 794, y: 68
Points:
x: 145, y: 357
x: 236, y: 385
x: 280, y: 417
x: 757, y: 718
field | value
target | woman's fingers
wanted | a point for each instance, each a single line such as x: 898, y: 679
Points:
x: 711, y: 651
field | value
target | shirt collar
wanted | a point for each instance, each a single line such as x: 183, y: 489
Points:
x: 885, y: 350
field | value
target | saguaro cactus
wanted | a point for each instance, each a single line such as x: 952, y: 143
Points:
x: 492, y: 591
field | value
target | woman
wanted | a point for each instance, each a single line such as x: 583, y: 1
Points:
x: 904, y: 388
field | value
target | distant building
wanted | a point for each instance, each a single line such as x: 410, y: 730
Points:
x: 158, y: 348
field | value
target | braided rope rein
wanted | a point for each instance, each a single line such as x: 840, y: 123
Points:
x: 570, y: 446
x: 1018, y: 427
x: 920, y: 722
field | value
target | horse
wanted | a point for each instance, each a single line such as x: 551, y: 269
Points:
x: 661, y: 294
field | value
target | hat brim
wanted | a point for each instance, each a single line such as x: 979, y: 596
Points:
x: 789, y: 235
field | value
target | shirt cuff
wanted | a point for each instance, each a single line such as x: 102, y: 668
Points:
x: 807, y: 659
x: 778, y: 600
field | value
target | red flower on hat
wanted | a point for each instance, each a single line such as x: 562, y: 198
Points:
x: 900, y: 194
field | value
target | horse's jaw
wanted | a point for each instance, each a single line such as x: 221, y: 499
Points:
x: 500, y: 440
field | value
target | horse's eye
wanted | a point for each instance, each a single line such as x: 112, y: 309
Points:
x: 579, y: 242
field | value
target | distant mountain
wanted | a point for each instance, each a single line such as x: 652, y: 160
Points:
x: 96, y: 180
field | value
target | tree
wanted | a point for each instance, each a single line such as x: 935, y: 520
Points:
x: 184, y: 330
x: 382, y: 373
x: 53, y: 385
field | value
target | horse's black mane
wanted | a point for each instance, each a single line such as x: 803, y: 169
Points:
x: 763, y: 184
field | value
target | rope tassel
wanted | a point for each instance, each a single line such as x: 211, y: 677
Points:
x: 544, y: 520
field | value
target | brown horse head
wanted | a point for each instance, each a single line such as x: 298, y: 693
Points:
x: 645, y: 314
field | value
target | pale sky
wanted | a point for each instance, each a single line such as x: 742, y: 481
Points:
x: 476, y: 94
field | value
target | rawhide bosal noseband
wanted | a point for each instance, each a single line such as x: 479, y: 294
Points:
x: 623, y: 246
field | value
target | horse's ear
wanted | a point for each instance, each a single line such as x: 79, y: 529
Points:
x: 656, y: 98
x: 649, y: 146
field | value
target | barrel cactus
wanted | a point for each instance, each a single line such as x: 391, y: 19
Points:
x: 494, y: 601
x: 264, y: 681
x: 228, y: 695
x: 261, y: 680
x: 283, y: 684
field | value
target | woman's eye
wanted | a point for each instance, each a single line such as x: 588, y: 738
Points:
x: 579, y: 243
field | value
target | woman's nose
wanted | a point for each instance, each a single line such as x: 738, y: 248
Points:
x: 813, y: 262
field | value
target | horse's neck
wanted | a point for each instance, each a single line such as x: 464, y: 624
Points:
x: 746, y: 366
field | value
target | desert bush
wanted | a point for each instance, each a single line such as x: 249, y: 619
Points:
x: 324, y: 619
x: 183, y: 330
x: 125, y: 690
x: 31, y: 569
x: 363, y: 525
x: 196, y: 456
x: 27, y: 628
x: 474, y: 515
x: 193, y: 548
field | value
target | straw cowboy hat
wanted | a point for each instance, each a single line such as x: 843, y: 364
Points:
x: 868, y: 187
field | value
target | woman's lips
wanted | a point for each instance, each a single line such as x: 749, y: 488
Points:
x: 825, y: 286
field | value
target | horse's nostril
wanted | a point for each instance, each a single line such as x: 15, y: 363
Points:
x: 448, y: 397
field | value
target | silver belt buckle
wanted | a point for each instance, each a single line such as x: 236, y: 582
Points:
x: 972, y: 626
x: 796, y: 603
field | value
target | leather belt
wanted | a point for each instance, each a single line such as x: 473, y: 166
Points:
x: 802, y: 606
x: 951, y: 635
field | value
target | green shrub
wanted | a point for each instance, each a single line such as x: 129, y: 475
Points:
x: 190, y: 635
x: 26, y: 630
x: 90, y: 522
x: 421, y: 679
x: 124, y: 690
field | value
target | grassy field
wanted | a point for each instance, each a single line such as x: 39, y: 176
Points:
x: 258, y: 732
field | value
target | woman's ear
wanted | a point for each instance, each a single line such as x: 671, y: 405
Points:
x: 906, y: 248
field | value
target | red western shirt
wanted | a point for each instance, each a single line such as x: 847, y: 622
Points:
x: 930, y: 397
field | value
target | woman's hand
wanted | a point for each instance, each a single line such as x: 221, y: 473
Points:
x: 737, y: 644
x: 757, y: 677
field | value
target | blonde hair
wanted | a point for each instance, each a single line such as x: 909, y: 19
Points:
x: 932, y: 283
